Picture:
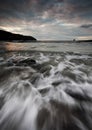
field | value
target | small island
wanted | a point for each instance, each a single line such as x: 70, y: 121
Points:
x: 8, y: 36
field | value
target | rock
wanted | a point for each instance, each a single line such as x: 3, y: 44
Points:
x: 45, y: 70
x: 78, y: 94
x: 56, y: 83
x: 43, y: 91
x: 77, y: 61
x: 27, y: 61
x: 82, y: 61
x: 67, y: 73
x: 35, y: 77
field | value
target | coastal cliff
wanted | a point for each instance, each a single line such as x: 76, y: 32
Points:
x: 8, y: 36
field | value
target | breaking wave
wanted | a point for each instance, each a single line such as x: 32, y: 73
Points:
x: 45, y: 91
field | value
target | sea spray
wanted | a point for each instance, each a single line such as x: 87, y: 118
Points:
x: 52, y: 93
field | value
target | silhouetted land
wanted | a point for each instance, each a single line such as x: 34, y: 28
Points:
x: 64, y: 41
x: 8, y: 36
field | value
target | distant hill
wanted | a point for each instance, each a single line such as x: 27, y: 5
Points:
x: 8, y: 36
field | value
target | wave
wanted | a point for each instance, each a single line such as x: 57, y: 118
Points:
x: 45, y: 91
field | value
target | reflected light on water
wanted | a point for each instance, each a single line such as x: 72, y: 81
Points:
x: 48, y: 47
x: 14, y: 46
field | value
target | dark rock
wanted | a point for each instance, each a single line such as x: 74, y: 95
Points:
x: 35, y: 77
x: 77, y: 61
x: 67, y: 73
x: 45, y: 70
x: 88, y: 62
x: 44, y: 91
x: 82, y: 61
x: 56, y: 83
x: 85, y: 70
x: 28, y: 61
x: 77, y: 95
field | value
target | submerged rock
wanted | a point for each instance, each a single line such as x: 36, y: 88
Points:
x: 34, y: 78
x: 37, y: 94
x: 27, y: 61
x: 82, y: 61
x: 44, y: 91
x: 77, y: 61
x: 45, y: 70
x: 67, y: 73
x: 56, y: 83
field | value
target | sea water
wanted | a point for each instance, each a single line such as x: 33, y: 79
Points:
x: 45, y: 86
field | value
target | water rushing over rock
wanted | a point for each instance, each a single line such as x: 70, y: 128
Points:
x: 45, y: 91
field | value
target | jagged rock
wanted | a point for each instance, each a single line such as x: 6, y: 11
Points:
x: 26, y: 62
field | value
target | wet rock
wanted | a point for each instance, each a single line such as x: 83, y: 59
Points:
x: 85, y: 71
x: 4, y: 74
x: 80, y: 79
x: 35, y: 77
x: 77, y: 61
x: 10, y: 63
x: 44, y: 91
x: 88, y: 62
x: 26, y: 62
x: 77, y: 95
x: 56, y: 83
x: 67, y: 73
x: 70, y: 53
x: 45, y: 70
x: 5, y: 64
x: 82, y: 61
x: 73, y: 76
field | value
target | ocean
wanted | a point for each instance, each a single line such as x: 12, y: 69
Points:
x: 45, y: 86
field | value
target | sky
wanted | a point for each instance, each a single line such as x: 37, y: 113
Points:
x: 48, y: 19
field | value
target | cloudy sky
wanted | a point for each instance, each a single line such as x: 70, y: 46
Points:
x: 48, y: 19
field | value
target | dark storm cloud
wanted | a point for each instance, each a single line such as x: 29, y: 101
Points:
x: 60, y: 9
x: 87, y: 26
x: 45, y: 16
